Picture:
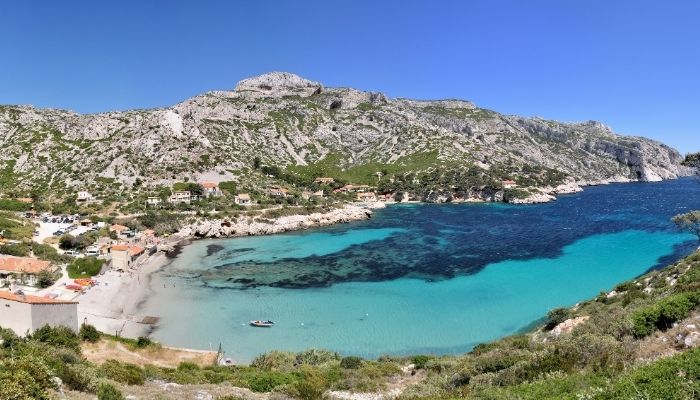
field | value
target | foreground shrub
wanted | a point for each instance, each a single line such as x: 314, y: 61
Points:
x: 674, y: 378
x: 60, y: 336
x: 315, y: 357
x: 89, y: 333
x: 421, y: 361
x: 274, y: 360
x: 79, y: 377
x: 351, y: 362
x: 108, y: 392
x: 122, y: 372
x: 556, y: 317
x: 311, y: 386
x: 663, y: 314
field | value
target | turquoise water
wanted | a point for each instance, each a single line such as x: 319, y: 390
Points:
x: 417, y: 279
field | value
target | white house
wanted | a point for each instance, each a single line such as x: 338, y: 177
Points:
x: 23, y: 269
x: 277, y: 191
x: 242, y: 199
x: 153, y: 201
x: 124, y: 256
x: 25, y: 313
x: 183, y: 196
x: 211, y: 189
x: 508, y: 184
x: 367, y: 196
x: 84, y: 197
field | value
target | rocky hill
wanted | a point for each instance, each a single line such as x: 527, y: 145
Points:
x: 285, y: 120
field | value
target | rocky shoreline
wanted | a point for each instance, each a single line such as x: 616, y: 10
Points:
x: 246, y: 226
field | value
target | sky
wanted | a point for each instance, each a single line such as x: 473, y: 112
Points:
x: 633, y: 65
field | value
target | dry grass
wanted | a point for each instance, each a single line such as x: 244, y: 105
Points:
x: 107, y: 349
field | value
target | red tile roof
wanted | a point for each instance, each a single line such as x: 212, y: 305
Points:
x: 23, y: 264
x: 118, y: 228
x: 133, y: 250
x: 29, y: 299
x: 210, y: 185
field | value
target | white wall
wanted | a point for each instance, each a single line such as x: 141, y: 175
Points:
x: 55, y: 315
x: 16, y: 316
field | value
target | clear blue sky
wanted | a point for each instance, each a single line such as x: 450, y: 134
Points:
x: 634, y: 65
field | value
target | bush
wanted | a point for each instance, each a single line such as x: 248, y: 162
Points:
x: 45, y: 279
x: 268, y: 380
x: 85, y: 267
x: 274, y: 360
x: 311, y: 387
x: 420, y: 361
x: 556, y: 317
x: 351, y: 362
x: 108, y: 392
x: 89, y: 333
x: 663, y: 314
x: 79, y: 377
x: 17, y: 250
x: 58, y: 337
x: 142, y: 342
x: 123, y: 372
x: 315, y: 357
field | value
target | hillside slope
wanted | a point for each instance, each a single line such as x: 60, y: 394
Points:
x: 287, y: 120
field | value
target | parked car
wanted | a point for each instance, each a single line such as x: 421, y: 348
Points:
x: 59, y: 232
x: 72, y: 253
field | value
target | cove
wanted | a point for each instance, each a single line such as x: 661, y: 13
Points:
x: 419, y: 278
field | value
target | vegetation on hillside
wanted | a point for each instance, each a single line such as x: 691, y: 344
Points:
x: 692, y: 160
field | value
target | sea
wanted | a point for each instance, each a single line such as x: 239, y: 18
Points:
x: 417, y: 278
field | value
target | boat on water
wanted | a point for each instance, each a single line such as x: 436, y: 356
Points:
x: 262, y: 324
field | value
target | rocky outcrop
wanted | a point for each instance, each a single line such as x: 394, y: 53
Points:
x: 279, y: 84
x: 569, y: 325
x: 216, y: 228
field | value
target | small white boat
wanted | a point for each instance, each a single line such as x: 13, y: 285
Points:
x: 262, y: 324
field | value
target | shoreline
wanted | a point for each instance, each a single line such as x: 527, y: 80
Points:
x: 114, y: 306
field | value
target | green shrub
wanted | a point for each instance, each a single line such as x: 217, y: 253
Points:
x: 17, y: 250
x: 315, y: 357
x: 351, y: 362
x: 14, y: 205
x: 266, y: 381
x: 142, y: 342
x: 311, y: 386
x: 89, y: 333
x: 85, y: 267
x: 664, y: 313
x: 421, y: 361
x: 556, y: 317
x: 123, y: 372
x: 188, y: 366
x: 108, y: 392
x: 60, y: 336
x: 79, y: 377
x: 46, y: 278
x: 274, y: 360
x: 674, y: 378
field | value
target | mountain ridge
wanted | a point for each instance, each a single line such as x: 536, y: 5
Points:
x: 288, y: 121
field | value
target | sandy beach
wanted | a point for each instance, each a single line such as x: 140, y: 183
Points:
x: 113, y: 304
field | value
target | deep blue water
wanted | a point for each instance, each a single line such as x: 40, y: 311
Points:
x: 419, y: 278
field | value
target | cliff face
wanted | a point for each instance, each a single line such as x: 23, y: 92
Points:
x: 287, y: 120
